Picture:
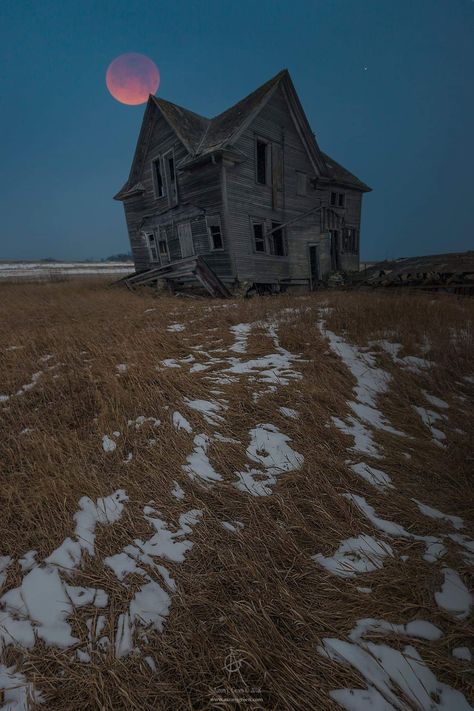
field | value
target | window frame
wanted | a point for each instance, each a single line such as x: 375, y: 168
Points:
x: 270, y: 239
x: 147, y: 235
x: 171, y: 183
x: 258, y: 221
x: 162, y: 238
x: 157, y: 194
x: 338, y: 198
x: 350, y: 242
x: 268, y: 160
x: 214, y: 221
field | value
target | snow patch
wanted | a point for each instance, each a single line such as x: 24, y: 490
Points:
x: 363, y: 554
x: 454, y: 597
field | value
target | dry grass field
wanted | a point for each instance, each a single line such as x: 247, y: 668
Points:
x: 262, y: 504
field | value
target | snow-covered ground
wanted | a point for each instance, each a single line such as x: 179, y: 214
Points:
x: 12, y: 271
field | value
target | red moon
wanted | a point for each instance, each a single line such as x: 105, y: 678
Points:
x: 131, y: 77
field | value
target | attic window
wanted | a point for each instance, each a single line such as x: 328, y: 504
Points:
x: 158, y: 182
x: 338, y: 199
x: 261, y: 160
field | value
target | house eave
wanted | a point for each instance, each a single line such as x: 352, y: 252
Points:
x: 212, y: 156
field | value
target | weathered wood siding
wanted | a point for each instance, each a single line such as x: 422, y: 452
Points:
x: 198, y: 190
x: 231, y: 191
x: 247, y: 199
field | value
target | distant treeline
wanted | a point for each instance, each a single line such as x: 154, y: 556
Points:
x: 121, y: 257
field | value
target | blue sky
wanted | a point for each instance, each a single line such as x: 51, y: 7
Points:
x: 404, y: 125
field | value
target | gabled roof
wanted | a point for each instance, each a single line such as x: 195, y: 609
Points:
x: 224, y: 128
x: 188, y: 126
x: 202, y: 136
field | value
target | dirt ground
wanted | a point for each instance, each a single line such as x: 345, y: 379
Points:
x: 235, y: 504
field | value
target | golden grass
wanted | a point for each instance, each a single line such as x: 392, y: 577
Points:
x: 256, y: 591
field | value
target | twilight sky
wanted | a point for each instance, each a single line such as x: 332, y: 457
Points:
x: 387, y: 87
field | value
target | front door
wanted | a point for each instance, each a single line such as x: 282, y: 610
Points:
x: 185, y: 239
x: 314, y: 266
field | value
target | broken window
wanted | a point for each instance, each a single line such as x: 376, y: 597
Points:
x: 171, y: 168
x: 152, y: 249
x: 258, y: 236
x: 277, y: 240
x: 163, y: 246
x: 338, y: 199
x: 350, y: 240
x: 261, y: 161
x: 158, y: 183
x: 301, y: 183
x: 215, y: 232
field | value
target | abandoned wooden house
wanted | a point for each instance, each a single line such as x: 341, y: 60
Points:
x: 244, y: 200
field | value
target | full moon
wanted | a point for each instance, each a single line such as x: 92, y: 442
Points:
x: 131, y: 77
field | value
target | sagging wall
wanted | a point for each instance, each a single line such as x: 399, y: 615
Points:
x: 198, y: 190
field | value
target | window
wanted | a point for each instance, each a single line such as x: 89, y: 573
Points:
x: 338, y: 199
x: 171, y: 168
x: 258, y: 236
x: 301, y: 183
x: 350, y: 240
x: 163, y: 246
x: 158, y: 183
x: 276, y: 240
x: 215, y: 232
x: 152, y: 249
x: 261, y: 159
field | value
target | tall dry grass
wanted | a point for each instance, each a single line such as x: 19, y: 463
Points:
x: 256, y: 591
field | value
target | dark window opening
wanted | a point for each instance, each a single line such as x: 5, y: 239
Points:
x: 349, y: 240
x: 171, y: 169
x: 159, y: 185
x: 277, y: 241
x: 152, y: 247
x: 215, y: 232
x: 338, y: 199
x: 259, y: 237
x: 216, y: 237
x: 261, y: 162
x: 163, y: 246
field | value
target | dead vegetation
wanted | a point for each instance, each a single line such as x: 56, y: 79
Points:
x: 253, y: 594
